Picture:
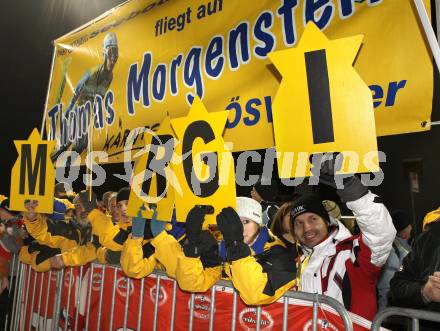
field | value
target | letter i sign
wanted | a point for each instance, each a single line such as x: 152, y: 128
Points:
x: 33, y: 174
x: 322, y: 104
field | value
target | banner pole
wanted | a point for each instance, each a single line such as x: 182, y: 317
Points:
x: 429, y: 31
x: 430, y: 123
x: 435, y: 123
x: 89, y: 156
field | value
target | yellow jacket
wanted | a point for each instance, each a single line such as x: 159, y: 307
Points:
x: 55, y: 234
x: 139, y: 257
x: 111, y: 236
x: 432, y: 216
x: 80, y: 255
x: 166, y: 251
x: 37, y: 259
x: 72, y: 241
x: 193, y: 277
x: 260, y: 279
x: 37, y: 256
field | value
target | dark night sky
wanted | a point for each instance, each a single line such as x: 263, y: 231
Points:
x: 27, y: 30
x: 29, y: 26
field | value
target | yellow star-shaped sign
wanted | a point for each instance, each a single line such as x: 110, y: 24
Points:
x: 33, y: 174
x: 322, y: 105
x: 152, y: 174
x: 205, y: 167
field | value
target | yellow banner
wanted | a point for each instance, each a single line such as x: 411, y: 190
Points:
x: 143, y: 60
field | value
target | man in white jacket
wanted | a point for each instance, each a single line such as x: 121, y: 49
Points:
x: 335, y: 262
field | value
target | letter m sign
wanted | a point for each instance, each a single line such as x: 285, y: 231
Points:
x: 33, y: 175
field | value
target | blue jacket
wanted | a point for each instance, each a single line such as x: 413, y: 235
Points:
x: 400, y: 249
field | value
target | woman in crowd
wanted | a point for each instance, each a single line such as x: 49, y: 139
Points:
x: 245, y: 239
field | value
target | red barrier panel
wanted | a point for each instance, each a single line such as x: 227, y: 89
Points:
x: 43, y: 298
x: 299, y: 312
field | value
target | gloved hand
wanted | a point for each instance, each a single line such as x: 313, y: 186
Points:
x: 348, y: 187
x: 353, y: 189
x: 156, y: 226
x: 112, y: 257
x: 138, y: 224
x: 193, y: 231
x: 30, y: 213
x: 230, y: 226
x: 209, y: 255
x: 325, y: 167
x: 45, y: 253
x: 86, y: 202
x: 194, y: 221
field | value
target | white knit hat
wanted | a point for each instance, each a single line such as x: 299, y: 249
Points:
x: 250, y: 209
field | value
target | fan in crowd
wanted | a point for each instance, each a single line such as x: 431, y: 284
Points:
x: 308, y: 249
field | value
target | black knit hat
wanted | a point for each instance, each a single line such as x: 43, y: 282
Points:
x: 400, y: 220
x: 267, y: 189
x: 309, y: 203
x: 123, y: 194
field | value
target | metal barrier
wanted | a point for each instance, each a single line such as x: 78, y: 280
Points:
x: 415, y: 315
x: 30, y: 310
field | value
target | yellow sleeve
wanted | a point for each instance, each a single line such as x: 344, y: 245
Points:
x: 41, y: 267
x: 30, y: 258
x: 251, y: 282
x: 24, y: 255
x: 53, y: 236
x: 79, y: 255
x: 191, y: 275
x: 100, y: 255
x: 109, y: 234
x: 167, y: 249
x: 133, y: 262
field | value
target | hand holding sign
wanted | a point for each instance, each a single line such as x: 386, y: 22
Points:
x: 327, y: 166
x: 30, y: 212
x: 157, y: 226
x: 194, y: 222
x: 230, y: 226
x: 138, y: 224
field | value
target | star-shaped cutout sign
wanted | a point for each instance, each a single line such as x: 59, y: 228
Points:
x: 322, y: 105
x: 205, y: 167
x: 152, y: 175
x: 33, y: 174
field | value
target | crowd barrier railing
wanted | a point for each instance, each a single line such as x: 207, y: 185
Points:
x: 101, y: 297
x: 414, y: 314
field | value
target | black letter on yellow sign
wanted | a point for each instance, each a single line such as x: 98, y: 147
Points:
x: 157, y: 166
x: 319, y: 96
x: 199, y: 129
x: 33, y: 169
